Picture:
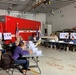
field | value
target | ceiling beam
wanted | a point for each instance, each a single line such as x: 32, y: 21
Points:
x: 29, y: 4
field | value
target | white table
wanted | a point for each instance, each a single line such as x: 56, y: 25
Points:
x: 34, y: 58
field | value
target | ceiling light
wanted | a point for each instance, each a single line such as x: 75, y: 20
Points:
x: 52, y: 12
x: 47, y: 2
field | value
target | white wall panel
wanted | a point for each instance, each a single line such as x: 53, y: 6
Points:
x: 65, y: 19
x: 42, y: 18
x: 28, y: 16
x: 3, y: 12
x: 49, y: 29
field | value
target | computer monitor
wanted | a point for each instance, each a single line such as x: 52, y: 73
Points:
x: 72, y: 35
x: 64, y: 35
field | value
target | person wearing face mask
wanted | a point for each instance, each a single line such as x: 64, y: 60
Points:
x: 18, y: 53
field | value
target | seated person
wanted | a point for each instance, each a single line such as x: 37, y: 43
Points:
x: 66, y: 39
x: 30, y: 38
x: 18, y: 53
x: 55, y: 38
x: 19, y: 39
x: 14, y: 45
x: 73, y: 40
x: 35, y: 38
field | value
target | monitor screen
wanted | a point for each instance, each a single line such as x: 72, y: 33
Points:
x: 72, y: 35
x: 64, y: 35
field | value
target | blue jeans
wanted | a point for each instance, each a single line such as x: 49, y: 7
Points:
x: 3, y: 51
x: 24, y: 63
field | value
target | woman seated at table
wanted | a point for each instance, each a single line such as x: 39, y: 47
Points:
x: 55, y: 39
x: 18, y: 53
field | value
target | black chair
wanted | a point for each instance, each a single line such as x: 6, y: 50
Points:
x: 11, y: 67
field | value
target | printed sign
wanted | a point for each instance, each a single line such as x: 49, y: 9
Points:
x: 64, y: 35
x: 73, y: 35
x: 0, y: 35
x: 7, y: 36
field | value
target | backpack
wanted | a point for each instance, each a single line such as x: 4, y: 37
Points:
x: 6, y: 61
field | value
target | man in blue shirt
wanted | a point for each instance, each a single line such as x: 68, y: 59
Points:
x: 18, y: 53
x: 73, y: 40
x: 66, y: 39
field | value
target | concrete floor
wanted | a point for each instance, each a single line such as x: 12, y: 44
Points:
x: 57, y: 62
x: 53, y: 62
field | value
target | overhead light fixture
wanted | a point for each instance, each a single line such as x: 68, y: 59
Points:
x: 47, y: 2
x: 41, y: 2
x: 52, y: 12
x: 59, y: 12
